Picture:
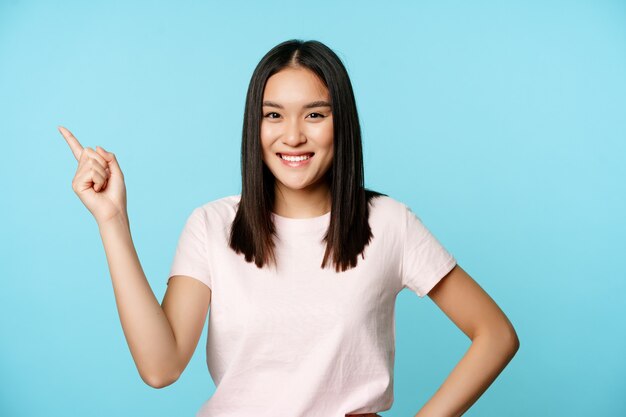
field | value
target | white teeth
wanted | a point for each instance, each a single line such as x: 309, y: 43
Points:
x: 294, y: 158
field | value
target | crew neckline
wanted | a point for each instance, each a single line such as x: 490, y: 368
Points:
x: 288, y: 225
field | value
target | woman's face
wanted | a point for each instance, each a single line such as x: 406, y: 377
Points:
x: 297, y: 123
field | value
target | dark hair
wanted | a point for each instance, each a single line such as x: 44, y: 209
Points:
x: 349, y: 232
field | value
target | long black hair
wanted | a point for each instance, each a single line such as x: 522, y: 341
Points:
x: 349, y: 232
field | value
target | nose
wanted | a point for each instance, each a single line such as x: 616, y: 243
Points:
x: 294, y: 135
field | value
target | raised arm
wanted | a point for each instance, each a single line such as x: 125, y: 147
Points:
x: 161, y: 338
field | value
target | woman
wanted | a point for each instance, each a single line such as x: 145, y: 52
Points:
x: 301, y: 270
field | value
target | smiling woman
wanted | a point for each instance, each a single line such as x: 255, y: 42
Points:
x: 301, y: 154
x: 300, y: 271
x: 297, y: 138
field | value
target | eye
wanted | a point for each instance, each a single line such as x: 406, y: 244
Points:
x: 321, y: 116
x: 267, y: 115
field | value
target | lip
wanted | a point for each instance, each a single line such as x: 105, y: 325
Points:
x: 295, y: 164
x: 295, y: 153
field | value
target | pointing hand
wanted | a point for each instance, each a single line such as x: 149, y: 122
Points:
x: 98, y: 182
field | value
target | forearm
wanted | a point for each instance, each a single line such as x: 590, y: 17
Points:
x: 487, y: 356
x: 146, y: 327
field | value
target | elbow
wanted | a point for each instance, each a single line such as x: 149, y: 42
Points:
x: 159, y: 381
x: 515, y: 339
x: 505, y: 339
x: 512, y: 342
x: 509, y: 340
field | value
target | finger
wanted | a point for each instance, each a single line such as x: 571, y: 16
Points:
x: 95, y: 155
x: 91, y: 168
x: 112, y: 160
x: 74, y: 144
x: 104, y: 186
x: 104, y: 155
x: 101, y: 152
x: 90, y: 159
x: 98, y: 181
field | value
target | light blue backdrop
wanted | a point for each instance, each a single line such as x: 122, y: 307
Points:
x: 502, y: 125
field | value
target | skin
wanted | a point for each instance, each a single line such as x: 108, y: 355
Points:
x: 162, y: 338
x: 290, y: 126
x: 494, y: 343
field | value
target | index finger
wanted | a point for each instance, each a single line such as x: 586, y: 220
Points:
x: 75, y: 146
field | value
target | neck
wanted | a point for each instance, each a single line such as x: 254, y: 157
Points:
x: 304, y: 203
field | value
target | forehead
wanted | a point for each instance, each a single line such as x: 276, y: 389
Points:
x: 295, y: 85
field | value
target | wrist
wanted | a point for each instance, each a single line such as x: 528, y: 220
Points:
x: 118, y: 220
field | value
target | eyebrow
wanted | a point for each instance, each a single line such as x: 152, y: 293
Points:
x: 318, y: 103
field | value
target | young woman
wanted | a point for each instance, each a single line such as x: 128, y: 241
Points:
x: 301, y: 270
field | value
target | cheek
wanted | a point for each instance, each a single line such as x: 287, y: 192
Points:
x: 269, y: 130
x: 266, y: 138
x: 323, y: 134
x: 328, y: 132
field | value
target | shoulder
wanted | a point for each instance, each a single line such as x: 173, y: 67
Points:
x: 385, y: 206
x: 387, y: 213
x: 223, y: 204
x: 220, y: 212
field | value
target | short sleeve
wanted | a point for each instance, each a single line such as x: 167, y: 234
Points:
x: 424, y: 260
x: 191, y: 256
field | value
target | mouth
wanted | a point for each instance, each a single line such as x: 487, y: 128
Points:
x: 295, y: 159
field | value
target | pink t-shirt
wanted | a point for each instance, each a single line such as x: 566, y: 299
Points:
x: 302, y: 341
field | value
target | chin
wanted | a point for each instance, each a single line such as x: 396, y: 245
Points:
x: 292, y: 183
x: 292, y: 186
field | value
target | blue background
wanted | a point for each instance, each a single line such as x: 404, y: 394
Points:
x: 502, y: 124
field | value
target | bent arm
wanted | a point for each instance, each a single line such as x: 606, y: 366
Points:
x: 494, y: 343
x: 146, y: 327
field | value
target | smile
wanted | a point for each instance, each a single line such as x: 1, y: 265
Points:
x: 296, y: 160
